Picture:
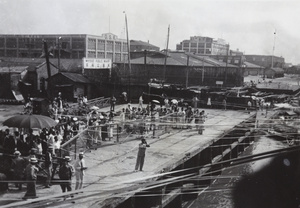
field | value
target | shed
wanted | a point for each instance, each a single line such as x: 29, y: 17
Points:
x: 71, y: 85
x: 274, y: 72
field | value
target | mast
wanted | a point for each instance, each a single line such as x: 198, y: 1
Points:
x: 129, y: 64
x: 272, y: 64
x: 166, y: 54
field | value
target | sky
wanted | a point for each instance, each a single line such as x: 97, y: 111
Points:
x: 262, y: 27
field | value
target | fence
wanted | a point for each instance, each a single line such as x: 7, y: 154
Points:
x: 92, y: 137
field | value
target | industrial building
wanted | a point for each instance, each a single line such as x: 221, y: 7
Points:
x: 67, y: 46
x: 204, y: 46
x: 266, y: 60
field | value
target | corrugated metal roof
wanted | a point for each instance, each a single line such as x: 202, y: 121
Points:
x: 79, y: 78
x: 279, y: 70
x: 13, y: 69
x: 251, y: 65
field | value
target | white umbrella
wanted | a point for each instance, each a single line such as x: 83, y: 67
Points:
x: 174, y: 101
x: 155, y: 101
x: 94, y: 108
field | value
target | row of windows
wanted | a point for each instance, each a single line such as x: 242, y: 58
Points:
x: 109, y: 45
x: 115, y: 57
x: 195, y: 45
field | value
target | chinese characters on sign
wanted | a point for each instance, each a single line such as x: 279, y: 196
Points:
x: 92, y: 63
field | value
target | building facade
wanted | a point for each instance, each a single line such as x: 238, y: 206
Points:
x: 265, y: 60
x: 204, y: 46
x: 137, y: 45
x: 69, y: 46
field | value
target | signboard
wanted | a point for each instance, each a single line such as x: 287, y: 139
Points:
x: 219, y: 82
x: 93, y: 63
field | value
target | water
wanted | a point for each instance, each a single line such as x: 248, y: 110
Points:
x: 219, y: 194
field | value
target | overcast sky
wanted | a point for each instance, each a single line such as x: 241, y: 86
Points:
x: 244, y: 24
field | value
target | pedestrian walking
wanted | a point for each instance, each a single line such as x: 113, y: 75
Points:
x: 18, y: 167
x: 79, y: 170
x: 31, y: 176
x: 66, y: 171
x: 141, y: 155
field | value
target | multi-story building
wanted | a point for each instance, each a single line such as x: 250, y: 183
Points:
x: 204, y: 46
x: 70, y: 46
x: 266, y: 60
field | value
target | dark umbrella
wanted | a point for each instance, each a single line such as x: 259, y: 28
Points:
x: 30, y: 121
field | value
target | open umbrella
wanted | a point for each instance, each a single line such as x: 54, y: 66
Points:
x: 174, y: 101
x: 155, y: 101
x: 30, y: 121
x: 94, y: 108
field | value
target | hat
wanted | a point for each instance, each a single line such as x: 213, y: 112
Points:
x: 33, y: 150
x: 75, y: 119
x: 33, y: 160
x: 17, y: 153
x: 67, y: 158
x: 81, y: 153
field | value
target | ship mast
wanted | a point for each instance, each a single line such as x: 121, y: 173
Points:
x: 166, y: 54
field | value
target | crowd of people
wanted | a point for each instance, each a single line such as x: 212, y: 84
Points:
x: 39, y: 151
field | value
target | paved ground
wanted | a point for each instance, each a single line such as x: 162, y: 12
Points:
x: 112, y: 167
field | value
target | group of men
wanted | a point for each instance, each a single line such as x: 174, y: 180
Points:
x: 27, y: 168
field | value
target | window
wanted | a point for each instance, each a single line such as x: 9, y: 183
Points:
x: 186, y: 44
x: 91, y: 54
x: 101, y: 55
x: 92, y: 44
x: 118, y: 47
x: 78, y: 43
x: 125, y: 47
x: 109, y: 46
x: 194, y: 45
x: 11, y: 42
x: 101, y: 45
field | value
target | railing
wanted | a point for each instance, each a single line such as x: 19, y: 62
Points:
x: 99, y: 102
x: 93, y: 137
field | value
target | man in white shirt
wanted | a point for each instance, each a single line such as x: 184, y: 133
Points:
x: 79, y: 171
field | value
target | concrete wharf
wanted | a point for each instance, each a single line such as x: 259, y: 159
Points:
x: 110, y: 180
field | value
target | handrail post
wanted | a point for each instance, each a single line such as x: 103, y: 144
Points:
x: 117, y: 133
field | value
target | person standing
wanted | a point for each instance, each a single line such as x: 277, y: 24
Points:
x: 224, y: 103
x: 141, y: 102
x: 31, y: 176
x: 112, y: 103
x: 141, y: 155
x: 79, y: 171
x: 66, y: 171
x: 18, y: 167
x: 209, y: 102
x: 48, y: 166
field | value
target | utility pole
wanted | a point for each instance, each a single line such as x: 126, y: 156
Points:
x: 48, y: 68
x: 129, y: 64
x: 187, y: 72
x: 59, y: 38
x: 166, y: 54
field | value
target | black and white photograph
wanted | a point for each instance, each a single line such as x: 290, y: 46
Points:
x: 149, y: 104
